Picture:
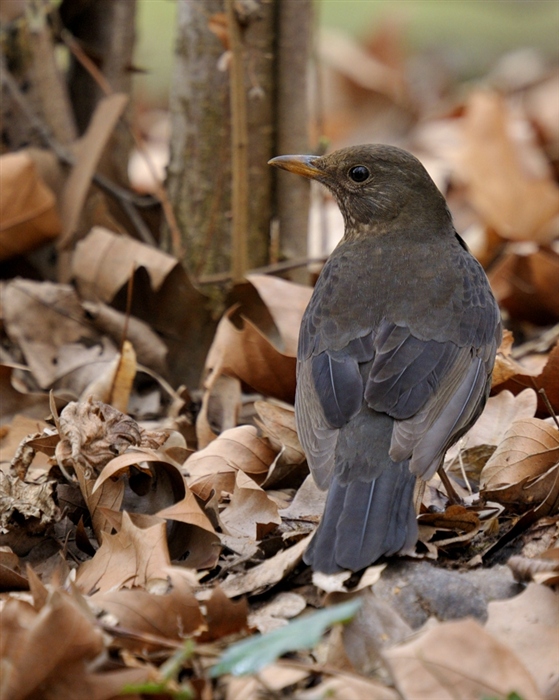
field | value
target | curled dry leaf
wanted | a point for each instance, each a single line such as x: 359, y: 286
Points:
x: 458, y: 655
x: 526, y: 283
x: 28, y: 216
x: 242, y: 351
x: 265, y: 575
x: 214, y: 467
x: 524, y: 466
x: 91, y: 433
x: 505, y: 365
x: 114, y: 384
x: 191, y: 536
x: 286, y: 302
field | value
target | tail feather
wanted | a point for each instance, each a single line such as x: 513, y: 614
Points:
x: 364, y: 520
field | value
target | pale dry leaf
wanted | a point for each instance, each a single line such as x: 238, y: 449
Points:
x: 267, y: 574
x: 221, y: 405
x: 277, y: 612
x: 191, y: 537
x: 250, y: 513
x: 150, y: 350
x: 214, y: 467
x: 523, y: 467
x: 529, y: 625
x: 41, y: 318
x: 347, y: 686
x: 458, y: 661
x: 131, y: 557
x: 16, y: 400
x: 505, y: 365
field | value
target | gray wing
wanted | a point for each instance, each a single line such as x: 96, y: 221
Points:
x: 433, y: 390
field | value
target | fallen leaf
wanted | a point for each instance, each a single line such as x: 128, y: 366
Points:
x: 131, y: 557
x: 529, y: 625
x: 28, y: 214
x: 458, y: 660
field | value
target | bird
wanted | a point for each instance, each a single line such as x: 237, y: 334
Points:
x: 395, y: 353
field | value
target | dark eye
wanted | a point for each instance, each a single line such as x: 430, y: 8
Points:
x: 359, y: 173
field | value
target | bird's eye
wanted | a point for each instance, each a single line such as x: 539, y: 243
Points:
x: 359, y: 173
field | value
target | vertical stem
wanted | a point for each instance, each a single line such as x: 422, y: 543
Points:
x: 239, y: 149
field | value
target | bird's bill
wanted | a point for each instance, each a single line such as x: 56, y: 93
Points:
x: 301, y: 165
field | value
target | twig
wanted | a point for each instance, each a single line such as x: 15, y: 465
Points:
x: 548, y: 405
x: 160, y: 192
x: 222, y: 277
x: 127, y: 199
x: 239, y: 149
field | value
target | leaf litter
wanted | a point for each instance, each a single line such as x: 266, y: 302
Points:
x: 151, y: 535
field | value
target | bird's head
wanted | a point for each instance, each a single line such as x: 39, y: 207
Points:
x: 372, y: 184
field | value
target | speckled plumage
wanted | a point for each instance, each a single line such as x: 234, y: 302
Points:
x: 395, y: 354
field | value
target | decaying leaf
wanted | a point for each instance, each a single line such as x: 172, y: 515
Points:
x: 251, y: 513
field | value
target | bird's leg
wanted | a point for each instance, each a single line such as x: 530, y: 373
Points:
x: 453, y: 497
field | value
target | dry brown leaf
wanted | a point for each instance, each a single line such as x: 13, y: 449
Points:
x: 277, y: 423
x: 221, y: 404
x: 523, y: 468
x: 286, y: 302
x: 151, y: 351
x: 104, y: 263
x: 546, y: 379
x: 251, y: 513
x: 505, y: 365
x: 172, y: 614
x: 267, y: 574
x: 90, y: 434
x: 35, y: 667
x: 274, y: 678
x: 518, y: 206
x: 245, y: 353
x: 277, y: 612
x: 132, y: 557
x: 34, y: 405
x: 114, y: 384
x: 223, y: 616
x: 192, y: 537
x: 42, y: 318
x: 347, y: 686
x: 214, y: 467
x: 529, y: 625
x: 458, y: 661
x: 28, y: 216
x: 526, y: 283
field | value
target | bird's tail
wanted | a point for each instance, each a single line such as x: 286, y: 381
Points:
x: 364, y: 520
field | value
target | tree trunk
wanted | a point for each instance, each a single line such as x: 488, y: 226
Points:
x: 295, y: 26
x: 200, y: 170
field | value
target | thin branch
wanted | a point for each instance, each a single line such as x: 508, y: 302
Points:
x: 239, y: 148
